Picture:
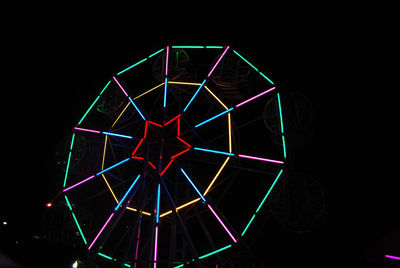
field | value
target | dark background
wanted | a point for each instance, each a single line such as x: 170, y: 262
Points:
x: 57, y: 60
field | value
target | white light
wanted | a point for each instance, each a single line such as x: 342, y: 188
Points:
x: 75, y: 264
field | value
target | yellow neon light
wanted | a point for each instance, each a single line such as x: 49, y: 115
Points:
x: 120, y: 115
x: 184, y: 83
x: 216, y: 176
x: 148, y: 91
x: 180, y: 207
x: 220, y: 102
x: 109, y: 188
x: 230, y: 132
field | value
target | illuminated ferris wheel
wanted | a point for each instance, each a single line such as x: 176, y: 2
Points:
x: 180, y: 161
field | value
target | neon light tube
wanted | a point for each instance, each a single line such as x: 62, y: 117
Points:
x: 216, y: 176
x: 261, y: 159
x: 263, y: 75
x: 69, y: 159
x: 198, y: 192
x: 187, y: 46
x: 109, y: 188
x: 148, y: 91
x: 140, y: 142
x: 229, y: 133
x: 165, y: 92
x: 105, y: 256
x: 269, y: 191
x: 123, y: 90
x: 214, y: 252
x: 79, y: 183
x: 127, y: 192
x: 166, y: 62
x: 392, y: 257
x: 180, y: 207
x: 153, y: 123
x: 214, y: 117
x: 214, y: 47
x: 251, y: 65
x: 187, y: 144
x: 113, y: 166
x: 173, y: 119
x: 195, y: 94
x: 158, y: 204
x: 255, y: 97
x: 101, y: 230
x: 269, y: 80
x: 76, y: 220
x: 155, y: 53
x: 281, y: 120
x: 117, y: 135
x: 137, y: 241
x: 165, y: 169
x: 130, y: 67
x: 155, y: 247
x: 248, y: 225
x: 91, y: 106
x: 216, y: 64
x: 213, y: 151
x: 137, y: 109
x: 223, y: 225
x: 87, y: 130
x: 215, y: 97
x: 180, y: 153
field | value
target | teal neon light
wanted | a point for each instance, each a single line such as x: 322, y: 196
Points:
x: 214, y: 252
x: 262, y: 202
x: 269, y: 191
x: 141, y: 61
x: 76, y: 220
x: 91, y: 106
x: 248, y: 225
x: 252, y: 66
x: 105, y: 256
x: 281, y: 120
x: 69, y: 159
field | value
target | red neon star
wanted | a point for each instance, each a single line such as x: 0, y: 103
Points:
x: 161, y: 144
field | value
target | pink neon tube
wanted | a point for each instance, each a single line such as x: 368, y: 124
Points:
x: 87, y: 130
x: 166, y: 62
x: 123, y: 90
x: 223, y: 225
x: 155, y: 247
x: 255, y: 97
x: 101, y: 230
x: 261, y: 159
x: 79, y: 183
x: 216, y: 64
x: 392, y: 257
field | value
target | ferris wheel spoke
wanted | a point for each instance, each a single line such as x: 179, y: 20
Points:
x: 261, y: 159
x: 96, y: 175
x: 129, y: 98
x: 115, y: 210
x: 205, y: 80
x: 209, y: 207
x: 175, y: 211
x: 103, y: 132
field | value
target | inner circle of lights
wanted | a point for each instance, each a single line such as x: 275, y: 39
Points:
x: 147, y: 151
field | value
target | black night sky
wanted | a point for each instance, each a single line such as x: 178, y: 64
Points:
x: 56, y: 63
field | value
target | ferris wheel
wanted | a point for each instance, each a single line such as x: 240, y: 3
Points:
x: 180, y: 161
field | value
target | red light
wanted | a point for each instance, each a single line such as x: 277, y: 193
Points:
x: 49, y: 204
